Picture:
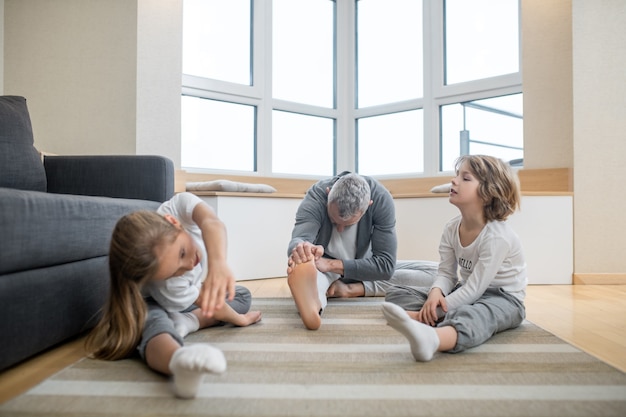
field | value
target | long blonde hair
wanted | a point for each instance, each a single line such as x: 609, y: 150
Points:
x: 132, y: 262
x: 499, y: 185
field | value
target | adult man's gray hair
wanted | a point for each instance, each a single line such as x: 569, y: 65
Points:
x: 351, y: 193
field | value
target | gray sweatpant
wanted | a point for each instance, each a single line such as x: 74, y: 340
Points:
x: 158, y: 322
x: 494, y: 312
x: 408, y: 273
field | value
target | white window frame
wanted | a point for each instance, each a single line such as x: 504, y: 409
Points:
x: 436, y: 94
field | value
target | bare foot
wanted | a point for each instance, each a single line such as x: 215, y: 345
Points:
x: 413, y: 314
x: 247, y: 319
x: 303, y: 285
x: 339, y: 289
x: 227, y: 315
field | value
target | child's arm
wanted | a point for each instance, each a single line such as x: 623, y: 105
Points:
x: 220, y: 281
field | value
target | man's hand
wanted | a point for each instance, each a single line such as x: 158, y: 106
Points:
x: 304, y: 252
x: 329, y: 265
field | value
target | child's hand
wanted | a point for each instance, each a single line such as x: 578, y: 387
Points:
x: 428, y: 313
x: 219, y: 284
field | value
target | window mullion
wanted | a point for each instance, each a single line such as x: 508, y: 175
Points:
x: 345, y: 86
x: 433, y: 81
x: 262, y: 70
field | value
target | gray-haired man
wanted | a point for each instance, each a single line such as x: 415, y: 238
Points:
x: 344, y: 244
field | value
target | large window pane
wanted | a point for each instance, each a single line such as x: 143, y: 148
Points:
x: 391, y: 144
x: 492, y: 126
x: 481, y: 39
x: 302, y: 144
x: 217, y: 135
x: 216, y: 39
x: 389, y: 51
x: 303, y: 51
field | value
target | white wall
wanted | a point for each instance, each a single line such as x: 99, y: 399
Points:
x: 75, y: 62
x: 159, y: 69
x: 547, y: 83
x: 259, y: 229
x: 599, y: 81
x: 544, y: 225
x: 100, y: 77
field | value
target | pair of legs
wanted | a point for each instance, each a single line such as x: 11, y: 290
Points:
x: 463, y: 328
x: 311, y: 288
x: 163, y: 349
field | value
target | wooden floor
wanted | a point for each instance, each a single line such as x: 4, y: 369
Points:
x: 591, y: 317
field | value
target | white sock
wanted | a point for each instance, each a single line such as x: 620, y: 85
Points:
x: 423, y: 339
x: 189, y: 364
x: 185, y: 323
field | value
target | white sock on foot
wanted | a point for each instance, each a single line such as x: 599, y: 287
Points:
x: 189, y: 364
x: 185, y: 323
x: 423, y: 339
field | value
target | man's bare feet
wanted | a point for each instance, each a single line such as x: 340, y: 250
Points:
x: 303, y: 285
x: 339, y: 289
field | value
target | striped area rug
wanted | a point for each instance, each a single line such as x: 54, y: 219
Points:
x: 354, y: 365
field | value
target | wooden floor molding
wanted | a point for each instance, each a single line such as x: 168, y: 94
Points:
x: 600, y: 279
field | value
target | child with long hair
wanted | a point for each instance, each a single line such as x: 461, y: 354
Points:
x: 481, y: 282
x: 169, y: 277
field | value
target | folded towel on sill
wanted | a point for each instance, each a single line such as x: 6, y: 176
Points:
x: 443, y: 188
x: 230, y: 186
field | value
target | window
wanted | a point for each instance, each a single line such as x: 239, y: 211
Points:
x: 389, y: 56
x: 217, y: 39
x: 391, y: 143
x: 204, y: 144
x: 490, y: 126
x: 310, y: 88
x: 481, y: 39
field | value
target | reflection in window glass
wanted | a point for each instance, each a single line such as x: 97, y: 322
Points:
x: 216, y: 39
x: 492, y: 126
x: 481, y: 39
x: 391, y: 144
x: 302, y: 144
x: 389, y: 51
x: 303, y: 51
x: 217, y: 135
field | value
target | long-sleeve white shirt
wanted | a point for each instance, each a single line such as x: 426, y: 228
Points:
x: 178, y: 293
x: 495, y: 259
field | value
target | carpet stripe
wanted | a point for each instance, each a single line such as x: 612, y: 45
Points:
x: 326, y: 321
x: 365, y: 302
x: 349, y: 392
x: 356, y: 348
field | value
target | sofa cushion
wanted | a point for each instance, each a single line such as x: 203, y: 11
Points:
x: 42, y: 229
x: 20, y: 163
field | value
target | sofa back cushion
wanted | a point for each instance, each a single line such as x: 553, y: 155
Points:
x: 20, y: 163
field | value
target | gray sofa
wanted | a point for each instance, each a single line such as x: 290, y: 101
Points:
x: 56, y: 219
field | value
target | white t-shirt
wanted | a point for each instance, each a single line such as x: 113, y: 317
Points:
x: 342, y: 245
x: 178, y: 293
x: 495, y: 259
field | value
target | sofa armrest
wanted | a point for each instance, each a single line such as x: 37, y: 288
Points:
x: 143, y: 177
